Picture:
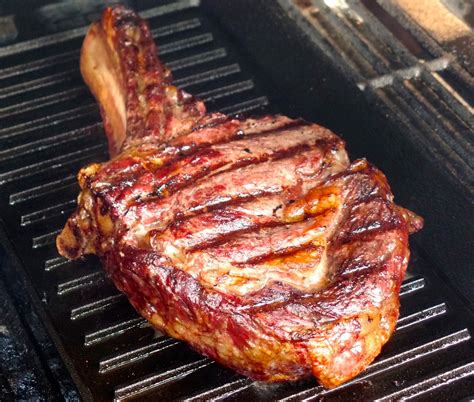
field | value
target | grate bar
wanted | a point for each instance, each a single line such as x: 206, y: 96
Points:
x: 208, y: 75
x: 175, y: 28
x: 247, y: 106
x: 62, y: 58
x: 184, y: 44
x: 421, y: 316
x: 112, y: 331
x: 157, y: 380
x: 194, y: 60
x: 79, y: 32
x: 423, y: 38
x: 445, y: 133
x: 46, y: 239
x: 412, y: 285
x: 426, y: 132
x: 38, y: 64
x: 396, y: 51
x: 452, y: 97
x: 225, y: 91
x: 96, y: 306
x: 37, y: 83
x: 43, y: 41
x: 390, y: 23
x: 44, y: 189
x: 81, y: 282
x: 168, y: 8
x: 394, y: 101
x: 392, y: 362
x: 56, y: 262
x: 432, y: 383
x: 47, y: 142
x: 456, y: 113
x: 438, y: 64
x: 345, y: 41
x: 466, y: 79
x: 337, y: 21
x: 417, y: 34
x: 47, y: 122
x: 324, y: 39
x: 48, y: 212
x: 42, y: 101
x: 68, y: 75
x: 137, y: 354
x: 52, y: 163
x: 406, y: 73
x: 223, y: 391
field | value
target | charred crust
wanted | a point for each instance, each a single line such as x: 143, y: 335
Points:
x: 104, y: 208
x: 275, y: 210
x: 77, y: 232
x: 70, y: 252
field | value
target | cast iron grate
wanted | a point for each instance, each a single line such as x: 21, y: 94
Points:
x: 50, y: 127
x: 399, y: 64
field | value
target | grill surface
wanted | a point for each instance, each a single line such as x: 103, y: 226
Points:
x: 50, y: 127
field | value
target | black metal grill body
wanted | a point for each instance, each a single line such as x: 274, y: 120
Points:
x: 269, y: 61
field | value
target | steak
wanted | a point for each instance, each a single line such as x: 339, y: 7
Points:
x: 255, y: 240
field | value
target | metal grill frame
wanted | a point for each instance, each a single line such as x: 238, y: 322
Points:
x: 432, y: 352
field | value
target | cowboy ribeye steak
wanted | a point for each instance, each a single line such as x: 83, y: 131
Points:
x: 254, y: 240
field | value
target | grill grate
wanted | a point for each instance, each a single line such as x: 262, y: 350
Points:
x: 50, y: 127
x: 413, y: 76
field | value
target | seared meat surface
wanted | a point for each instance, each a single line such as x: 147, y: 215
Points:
x: 254, y: 240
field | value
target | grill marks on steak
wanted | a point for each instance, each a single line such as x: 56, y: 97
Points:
x: 275, y: 250
x: 360, y: 276
x: 131, y: 198
x: 134, y: 175
x: 218, y: 131
x: 229, y: 156
x: 213, y: 227
x: 248, y: 261
x: 228, y: 187
x: 302, y: 150
x: 213, y: 159
x: 253, y: 240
